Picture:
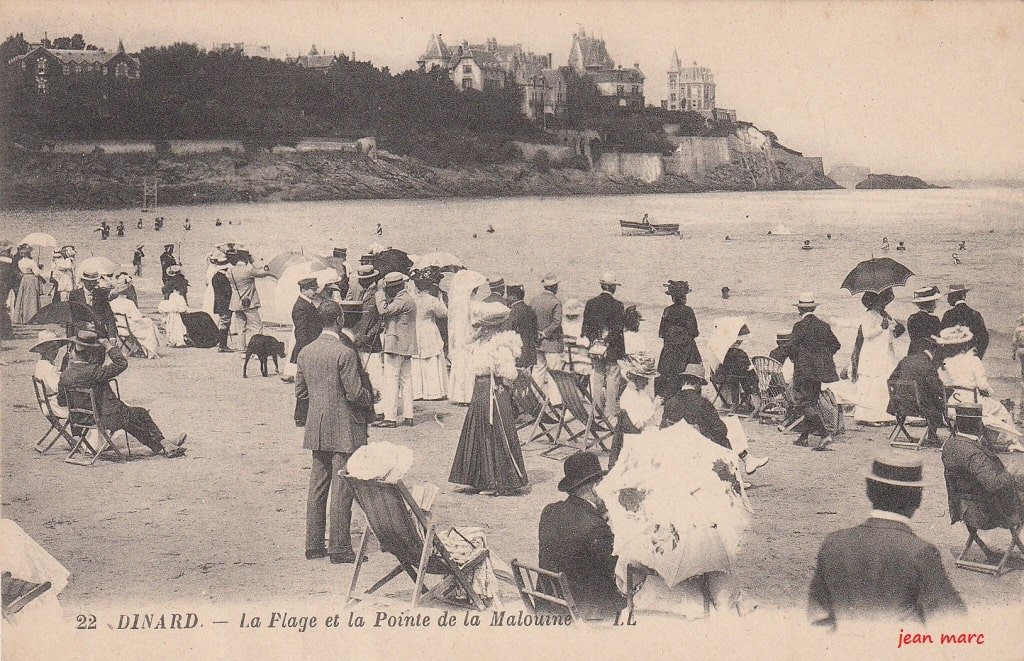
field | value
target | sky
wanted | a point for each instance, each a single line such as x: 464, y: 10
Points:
x: 929, y: 89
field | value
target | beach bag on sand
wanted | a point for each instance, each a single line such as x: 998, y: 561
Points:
x: 202, y: 332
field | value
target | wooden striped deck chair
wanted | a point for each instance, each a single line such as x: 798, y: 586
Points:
x: 545, y: 591
x: 906, y: 401
x: 58, y: 425
x: 92, y: 440
x: 405, y: 531
x: 578, y: 418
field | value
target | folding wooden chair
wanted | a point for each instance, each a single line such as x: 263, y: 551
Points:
x: 58, y: 425
x: 906, y: 401
x: 993, y: 568
x: 771, y: 388
x: 405, y: 531
x: 84, y: 418
x: 527, y: 398
x: 955, y: 397
x: 126, y: 338
x: 574, y: 411
x: 545, y: 591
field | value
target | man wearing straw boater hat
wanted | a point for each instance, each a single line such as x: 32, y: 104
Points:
x: 87, y: 369
x: 576, y: 540
x: 961, y: 314
x: 497, y: 286
x: 811, y: 347
x: 923, y: 324
x: 880, y: 569
x: 548, y: 309
x: 604, y: 319
x: 368, y: 328
x: 397, y: 311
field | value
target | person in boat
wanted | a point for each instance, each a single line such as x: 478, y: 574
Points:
x: 725, y: 292
x: 900, y: 246
x: 645, y: 220
x: 885, y: 243
x: 807, y: 245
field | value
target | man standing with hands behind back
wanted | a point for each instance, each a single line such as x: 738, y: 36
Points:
x: 603, y: 325
x: 397, y: 312
x: 334, y: 404
x: 548, y: 308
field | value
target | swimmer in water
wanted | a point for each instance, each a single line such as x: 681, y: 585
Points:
x: 725, y: 292
x: 900, y: 246
x: 963, y: 245
x: 956, y: 259
x: 885, y: 243
x: 490, y: 229
x: 728, y: 238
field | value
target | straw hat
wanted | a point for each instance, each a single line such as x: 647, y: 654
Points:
x: 47, y: 338
x: 806, y: 300
x: 925, y: 294
x: 899, y: 470
x: 572, y: 308
x: 608, y: 278
x: 366, y: 271
x: 307, y: 283
x: 496, y: 282
x: 957, y: 289
x: 783, y: 337
x: 86, y: 338
x: 89, y: 275
x: 549, y: 280
x: 640, y: 364
x: 394, y: 278
x: 174, y: 269
x: 953, y: 335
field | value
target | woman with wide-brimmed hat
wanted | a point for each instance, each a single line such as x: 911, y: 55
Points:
x: 874, y: 359
x: 639, y: 407
x: 429, y: 372
x: 964, y: 372
x: 489, y: 458
x: 678, y: 331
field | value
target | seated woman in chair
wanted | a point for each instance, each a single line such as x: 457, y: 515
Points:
x: 639, y: 407
x: 48, y: 346
x: 139, y: 325
x: 735, y: 377
x: 982, y: 492
x: 962, y: 370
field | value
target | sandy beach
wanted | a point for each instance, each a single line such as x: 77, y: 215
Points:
x: 225, y: 524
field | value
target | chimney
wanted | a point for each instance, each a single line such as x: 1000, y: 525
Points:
x: 353, y: 56
x: 636, y: 65
x: 550, y: 62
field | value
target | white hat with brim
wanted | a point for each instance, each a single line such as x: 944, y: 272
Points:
x: 47, y: 338
x: 897, y: 470
x: 394, y: 278
x: 549, y: 280
x: 953, y: 335
x: 806, y: 300
x: 926, y: 294
x: 608, y: 278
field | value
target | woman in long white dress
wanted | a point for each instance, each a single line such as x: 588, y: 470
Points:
x: 429, y: 373
x: 26, y: 302
x: 63, y: 274
x: 964, y: 372
x: 460, y: 331
x: 174, y: 326
x: 874, y: 359
x: 141, y: 326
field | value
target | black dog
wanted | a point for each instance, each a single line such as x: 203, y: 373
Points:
x: 263, y: 347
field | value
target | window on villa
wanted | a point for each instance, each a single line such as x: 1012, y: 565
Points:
x: 672, y: 80
x: 41, y: 65
x: 41, y: 86
x: 467, y: 68
x: 620, y: 91
x: 467, y: 83
x: 67, y: 69
x: 122, y: 69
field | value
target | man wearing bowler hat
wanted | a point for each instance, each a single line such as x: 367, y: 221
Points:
x: 923, y: 324
x: 575, y: 539
x: 397, y: 311
x: 961, y: 314
x: 87, y: 370
x: 604, y: 319
x: 880, y: 569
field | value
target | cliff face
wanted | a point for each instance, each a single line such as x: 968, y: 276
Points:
x: 34, y: 180
x: 889, y: 181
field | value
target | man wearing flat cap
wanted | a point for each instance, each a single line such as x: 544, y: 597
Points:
x: 880, y: 569
x: 576, y: 540
x: 305, y: 322
x: 548, y: 308
x: 604, y: 320
x: 961, y: 314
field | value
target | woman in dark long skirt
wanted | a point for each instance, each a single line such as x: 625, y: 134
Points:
x: 489, y: 457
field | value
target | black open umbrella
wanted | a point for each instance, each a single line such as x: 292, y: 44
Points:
x: 392, y: 259
x: 73, y: 316
x: 876, y: 275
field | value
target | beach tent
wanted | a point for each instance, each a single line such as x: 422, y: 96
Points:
x: 724, y: 334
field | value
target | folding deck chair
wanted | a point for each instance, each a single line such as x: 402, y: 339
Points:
x: 574, y: 410
x: 906, y: 399
x: 92, y: 439
x: 545, y: 591
x: 405, y: 531
x: 771, y: 388
x: 126, y: 338
x: 527, y: 397
x: 58, y: 425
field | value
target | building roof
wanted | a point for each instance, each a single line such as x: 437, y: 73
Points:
x: 483, y: 58
x: 436, y: 49
x: 593, y: 51
x: 67, y: 56
x: 623, y: 75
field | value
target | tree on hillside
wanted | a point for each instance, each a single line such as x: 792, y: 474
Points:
x: 582, y: 98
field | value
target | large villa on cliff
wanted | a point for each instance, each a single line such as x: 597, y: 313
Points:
x: 49, y: 64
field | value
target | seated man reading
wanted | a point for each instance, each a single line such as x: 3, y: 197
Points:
x: 575, y: 539
x: 87, y: 370
x: 687, y: 403
x: 982, y: 492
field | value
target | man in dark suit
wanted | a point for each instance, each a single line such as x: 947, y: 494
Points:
x: 305, y: 321
x: 95, y: 296
x: 678, y: 330
x: 923, y: 324
x: 221, y: 299
x: 576, y: 540
x: 87, y: 369
x: 335, y: 418
x: 961, y: 314
x: 811, y: 347
x: 981, y: 491
x: 166, y: 261
x: 920, y: 368
x: 604, y: 323
x: 880, y: 569
x: 367, y: 330
x: 523, y: 320
x: 687, y: 403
